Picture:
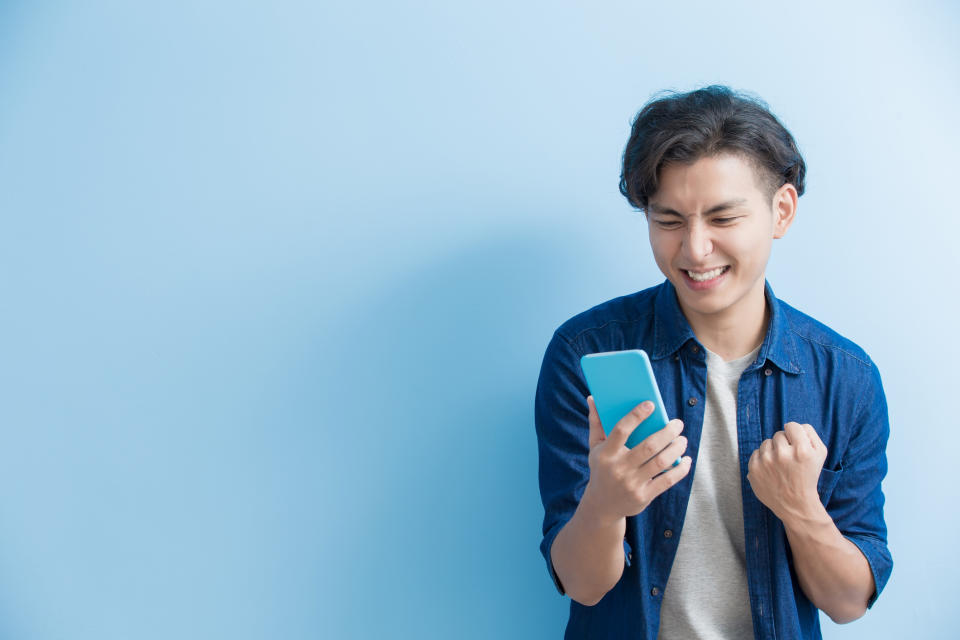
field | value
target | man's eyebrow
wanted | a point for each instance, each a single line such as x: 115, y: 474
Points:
x: 723, y: 206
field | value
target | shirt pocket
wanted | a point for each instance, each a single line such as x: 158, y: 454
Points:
x: 828, y: 482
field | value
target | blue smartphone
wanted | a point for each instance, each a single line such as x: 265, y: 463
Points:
x: 619, y: 381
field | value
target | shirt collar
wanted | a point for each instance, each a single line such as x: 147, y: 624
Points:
x: 671, y: 330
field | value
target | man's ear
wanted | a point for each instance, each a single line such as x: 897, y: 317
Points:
x: 784, y: 209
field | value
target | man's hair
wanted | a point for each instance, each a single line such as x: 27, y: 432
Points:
x: 684, y: 127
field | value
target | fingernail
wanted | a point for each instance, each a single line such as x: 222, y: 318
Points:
x: 648, y: 405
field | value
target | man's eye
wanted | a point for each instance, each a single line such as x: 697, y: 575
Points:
x: 724, y: 220
x: 667, y: 224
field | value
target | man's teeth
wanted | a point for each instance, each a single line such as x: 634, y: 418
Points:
x: 706, y: 275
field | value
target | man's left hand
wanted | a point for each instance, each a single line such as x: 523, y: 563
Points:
x: 784, y: 470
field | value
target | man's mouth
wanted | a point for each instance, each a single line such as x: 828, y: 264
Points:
x: 703, y: 276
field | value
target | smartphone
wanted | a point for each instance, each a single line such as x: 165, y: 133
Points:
x: 618, y: 382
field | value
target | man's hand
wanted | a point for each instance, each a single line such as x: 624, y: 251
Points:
x: 624, y: 481
x: 784, y: 470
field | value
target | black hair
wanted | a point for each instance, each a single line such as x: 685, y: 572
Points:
x: 684, y: 127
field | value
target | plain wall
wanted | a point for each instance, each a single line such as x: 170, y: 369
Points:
x: 276, y: 280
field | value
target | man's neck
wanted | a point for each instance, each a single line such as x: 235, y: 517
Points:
x: 735, y: 332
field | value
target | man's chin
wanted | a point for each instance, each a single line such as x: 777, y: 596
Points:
x: 703, y: 303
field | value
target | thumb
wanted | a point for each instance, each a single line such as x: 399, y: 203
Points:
x: 596, y: 429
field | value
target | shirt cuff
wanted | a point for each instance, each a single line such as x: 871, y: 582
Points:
x: 878, y: 557
x: 545, y: 545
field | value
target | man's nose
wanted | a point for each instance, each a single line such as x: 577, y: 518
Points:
x: 697, y: 243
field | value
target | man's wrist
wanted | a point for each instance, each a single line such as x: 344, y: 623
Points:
x: 808, y: 517
x: 593, y: 516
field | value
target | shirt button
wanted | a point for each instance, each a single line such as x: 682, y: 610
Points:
x: 668, y: 533
x: 630, y: 556
x: 676, y: 357
x: 768, y: 372
x: 654, y: 592
x: 695, y: 348
x: 692, y: 401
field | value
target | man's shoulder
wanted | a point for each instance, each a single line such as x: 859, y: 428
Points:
x: 629, y: 309
x: 814, y: 336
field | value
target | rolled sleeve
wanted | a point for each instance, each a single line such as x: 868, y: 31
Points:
x: 561, y: 417
x: 878, y: 557
x: 856, y: 504
x: 545, y: 546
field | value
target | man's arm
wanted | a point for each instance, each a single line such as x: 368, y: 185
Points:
x: 587, y: 554
x: 590, y: 483
x: 622, y: 482
x: 832, y: 571
x: 839, y: 549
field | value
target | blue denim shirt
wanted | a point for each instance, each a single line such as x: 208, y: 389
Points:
x: 804, y: 372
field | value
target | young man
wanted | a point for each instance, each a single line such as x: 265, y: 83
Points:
x: 776, y: 509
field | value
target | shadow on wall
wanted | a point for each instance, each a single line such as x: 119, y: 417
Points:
x: 433, y: 382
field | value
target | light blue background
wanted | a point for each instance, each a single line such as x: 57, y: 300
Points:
x: 276, y: 280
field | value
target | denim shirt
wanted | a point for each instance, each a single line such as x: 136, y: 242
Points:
x: 804, y: 372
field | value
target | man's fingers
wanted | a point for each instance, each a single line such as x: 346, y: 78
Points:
x: 796, y: 434
x: 618, y: 436
x: 664, y: 459
x: 765, y: 449
x: 814, y: 436
x: 667, y: 479
x: 780, y: 441
x: 596, y: 429
x: 655, y: 443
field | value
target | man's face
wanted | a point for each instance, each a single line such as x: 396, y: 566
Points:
x: 711, y: 228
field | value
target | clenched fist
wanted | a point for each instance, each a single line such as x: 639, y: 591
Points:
x: 784, y: 470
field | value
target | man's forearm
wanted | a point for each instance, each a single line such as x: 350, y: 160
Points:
x: 587, y: 554
x: 832, y: 571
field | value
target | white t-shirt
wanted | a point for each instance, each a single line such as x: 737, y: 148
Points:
x: 706, y: 594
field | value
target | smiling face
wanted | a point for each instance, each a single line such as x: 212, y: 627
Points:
x: 711, y: 229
